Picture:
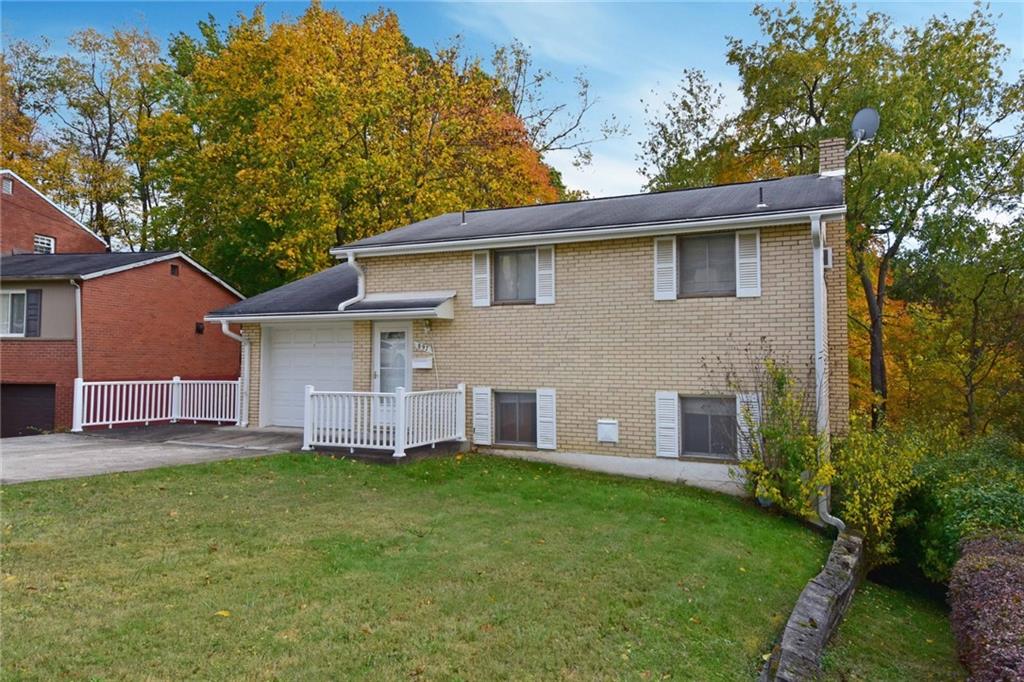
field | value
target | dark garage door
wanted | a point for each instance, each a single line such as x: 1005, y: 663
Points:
x: 25, y: 409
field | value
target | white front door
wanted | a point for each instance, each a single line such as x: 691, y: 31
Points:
x: 392, y: 356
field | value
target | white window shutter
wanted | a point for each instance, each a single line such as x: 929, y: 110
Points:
x: 664, y: 268
x: 481, y: 279
x: 482, y: 415
x: 546, y: 428
x: 545, y: 275
x: 748, y: 263
x: 666, y: 424
x: 746, y: 403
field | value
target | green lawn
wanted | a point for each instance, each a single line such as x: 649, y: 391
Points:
x: 477, y: 568
x: 892, y: 635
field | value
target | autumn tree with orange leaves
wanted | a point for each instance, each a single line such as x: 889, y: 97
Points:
x: 283, y: 140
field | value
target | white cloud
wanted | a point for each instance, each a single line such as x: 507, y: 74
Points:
x: 571, y: 33
x: 609, y: 174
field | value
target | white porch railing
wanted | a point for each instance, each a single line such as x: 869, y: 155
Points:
x: 383, y: 421
x: 110, y: 403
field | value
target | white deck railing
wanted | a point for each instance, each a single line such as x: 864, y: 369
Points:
x: 111, y: 403
x: 383, y: 421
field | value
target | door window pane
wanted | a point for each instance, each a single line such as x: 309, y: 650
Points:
x: 707, y: 265
x: 709, y: 427
x: 515, y: 278
x: 393, y: 359
x: 516, y: 417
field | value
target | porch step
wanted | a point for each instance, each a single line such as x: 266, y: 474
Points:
x: 385, y: 457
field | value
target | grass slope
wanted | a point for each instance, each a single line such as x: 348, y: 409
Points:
x: 476, y: 568
x: 892, y: 635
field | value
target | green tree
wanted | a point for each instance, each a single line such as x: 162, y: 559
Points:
x: 950, y: 143
x: 282, y: 140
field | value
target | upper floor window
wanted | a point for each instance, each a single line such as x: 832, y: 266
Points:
x: 8, y: 186
x: 515, y: 276
x: 12, y: 313
x: 44, y: 244
x: 707, y: 265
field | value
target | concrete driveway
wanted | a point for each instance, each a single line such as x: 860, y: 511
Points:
x: 71, y: 455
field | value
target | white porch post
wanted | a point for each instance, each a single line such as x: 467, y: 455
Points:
x: 175, y: 399
x: 78, y: 410
x: 460, y: 413
x: 307, y: 419
x: 400, y: 404
x: 241, y: 405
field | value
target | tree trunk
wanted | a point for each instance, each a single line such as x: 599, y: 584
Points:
x: 879, y: 382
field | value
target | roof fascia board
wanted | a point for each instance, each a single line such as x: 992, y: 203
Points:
x: 442, y: 311
x: 76, y: 221
x: 595, y: 234
x: 408, y: 296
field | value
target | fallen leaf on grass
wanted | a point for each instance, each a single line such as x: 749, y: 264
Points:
x: 223, y: 614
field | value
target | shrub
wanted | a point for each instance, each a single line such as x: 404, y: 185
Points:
x: 963, y: 492
x: 783, y: 464
x: 986, y: 593
x: 874, y: 470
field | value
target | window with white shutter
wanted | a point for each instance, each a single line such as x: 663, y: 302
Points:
x: 546, y: 419
x: 666, y: 424
x: 664, y: 268
x: 545, y: 275
x: 482, y: 428
x: 748, y: 414
x: 748, y: 263
x: 481, y: 279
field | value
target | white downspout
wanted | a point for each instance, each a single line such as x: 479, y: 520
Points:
x: 244, y: 389
x: 820, y: 355
x: 361, y: 283
x: 78, y: 328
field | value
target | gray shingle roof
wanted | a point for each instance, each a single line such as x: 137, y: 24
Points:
x: 798, y: 193
x: 319, y: 293
x: 42, y: 266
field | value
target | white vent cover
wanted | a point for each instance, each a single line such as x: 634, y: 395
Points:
x: 607, y: 430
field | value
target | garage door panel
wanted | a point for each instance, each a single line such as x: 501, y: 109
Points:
x: 317, y: 355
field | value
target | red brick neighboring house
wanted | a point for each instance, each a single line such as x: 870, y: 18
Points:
x: 98, y: 315
x: 31, y: 223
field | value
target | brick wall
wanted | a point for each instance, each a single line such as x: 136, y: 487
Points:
x: 31, y: 361
x: 831, y: 155
x: 606, y: 345
x: 838, y: 329
x: 24, y: 214
x: 140, y: 324
x: 254, y: 333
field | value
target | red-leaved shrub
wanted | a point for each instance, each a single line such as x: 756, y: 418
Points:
x: 986, y: 592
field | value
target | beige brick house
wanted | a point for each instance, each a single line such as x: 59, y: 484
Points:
x: 617, y: 334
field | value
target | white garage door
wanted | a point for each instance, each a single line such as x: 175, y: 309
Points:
x: 320, y: 355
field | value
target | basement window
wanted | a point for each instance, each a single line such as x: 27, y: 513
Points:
x: 517, y: 417
x: 709, y: 427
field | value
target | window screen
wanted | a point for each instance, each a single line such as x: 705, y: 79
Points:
x: 707, y: 265
x: 515, y: 276
x: 516, y: 417
x: 709, y: 427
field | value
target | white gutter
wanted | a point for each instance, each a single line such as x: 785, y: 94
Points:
x: 244, y: 389
x: 441, y: 312
x: 360, y: 282
x: 820, y: 358
x: 592, y: 234
x: 78, y: 328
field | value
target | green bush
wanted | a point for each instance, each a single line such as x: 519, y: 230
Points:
x: 783, y: 464
x: 962, y: 493
x: 874, y: 470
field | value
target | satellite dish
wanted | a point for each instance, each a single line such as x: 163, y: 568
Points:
x: 865, y: 125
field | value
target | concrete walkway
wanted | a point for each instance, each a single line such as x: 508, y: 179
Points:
x: 71, y: 455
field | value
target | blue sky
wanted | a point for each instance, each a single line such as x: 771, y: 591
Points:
x: 626, y: 50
